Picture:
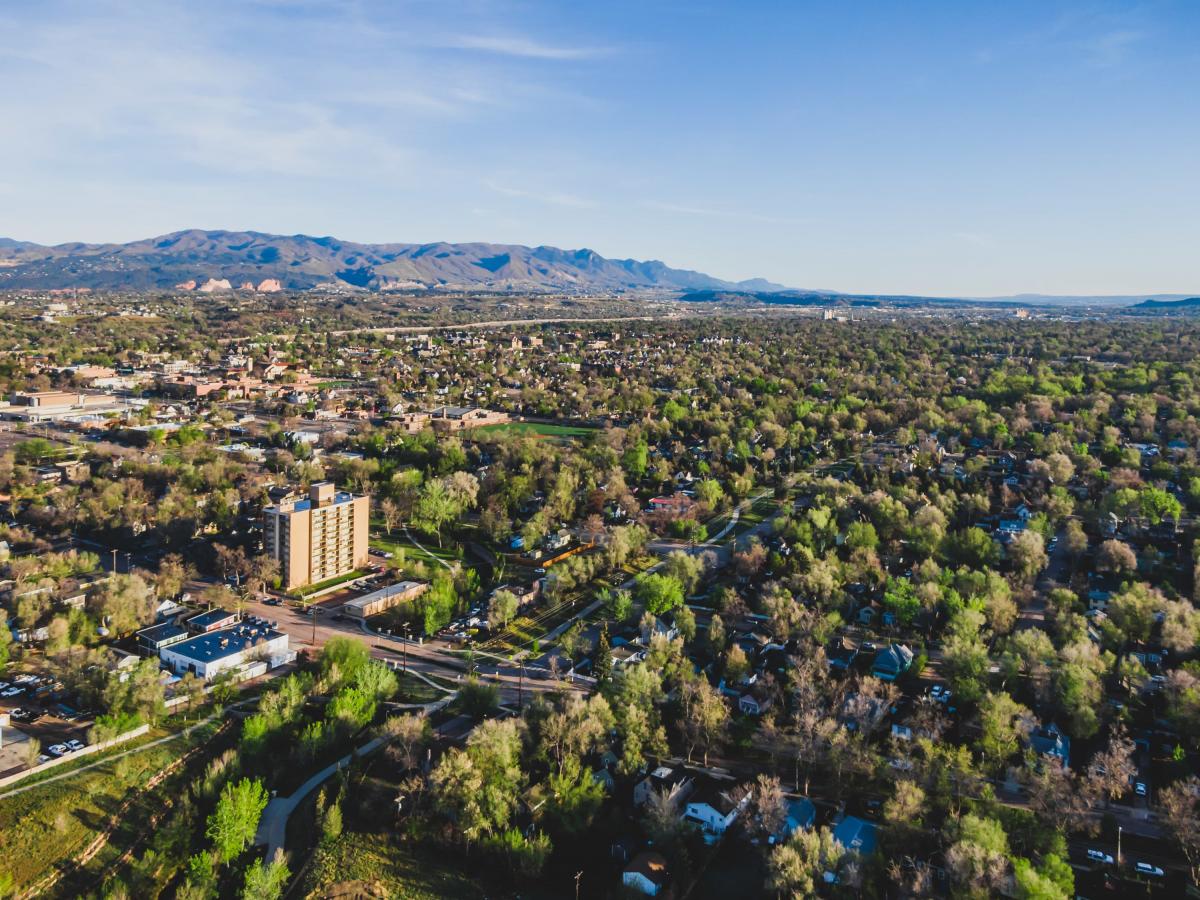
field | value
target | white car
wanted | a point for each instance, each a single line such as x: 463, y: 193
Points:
x: 1100, y: 856
x: 75, y: 745
x: 1144, y: 868
x: 12, y: 692
x: 58, y: 750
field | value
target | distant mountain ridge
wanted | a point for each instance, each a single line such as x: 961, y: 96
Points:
x: 1188, y: 304
x: 208, y: 259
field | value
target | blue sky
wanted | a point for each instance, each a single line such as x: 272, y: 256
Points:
x: 945, y: 148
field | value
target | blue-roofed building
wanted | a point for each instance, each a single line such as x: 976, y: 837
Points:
x: 856, y: 835
x: 801, y: 815
x: 1050, y: 741
x: 891, y: 662
x: 208, y: 655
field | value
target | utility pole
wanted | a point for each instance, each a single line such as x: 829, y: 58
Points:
x: 114, y: 565
x: 1119, y: 829
x: 521, y: 685
x: 578, y: 875
x: 312, y: 614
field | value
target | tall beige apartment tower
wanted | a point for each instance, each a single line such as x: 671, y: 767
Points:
x: 318, y: 537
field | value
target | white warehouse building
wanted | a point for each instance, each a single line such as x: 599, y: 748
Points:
x: 208, y: 655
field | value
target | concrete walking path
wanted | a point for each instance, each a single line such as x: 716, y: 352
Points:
x: 272, y: 827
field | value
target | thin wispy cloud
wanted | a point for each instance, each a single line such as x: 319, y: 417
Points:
x: 554, y: 198
x: 1089, y: 36
x: 524, y: 47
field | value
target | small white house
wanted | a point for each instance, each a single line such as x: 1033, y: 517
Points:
x: 715, y: 810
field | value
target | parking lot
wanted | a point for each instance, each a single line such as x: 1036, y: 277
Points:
x: 42, y: 718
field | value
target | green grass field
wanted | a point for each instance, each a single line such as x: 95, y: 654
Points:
x: 46, y: 827
x: 534, y: 429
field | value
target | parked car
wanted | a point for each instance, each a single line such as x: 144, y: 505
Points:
x: 12, y: 692
x: 1144, y: 868
x: 1100, y: 856
x: 1139, y: 788
x: 57, y: 750
x: 75, y: 744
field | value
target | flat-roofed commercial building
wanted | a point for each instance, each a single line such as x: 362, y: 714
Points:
x: 383, y: 599
x: 208, y: 655
x: 319, y: 537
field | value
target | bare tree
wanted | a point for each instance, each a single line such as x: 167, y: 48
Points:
x: 1181, y: 811
x: 1113, y: 768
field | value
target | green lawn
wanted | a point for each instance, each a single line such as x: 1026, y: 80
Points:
x: 534, y: 429
x: 414, y: 690
x: 310, y: 589
x: 396, y: 543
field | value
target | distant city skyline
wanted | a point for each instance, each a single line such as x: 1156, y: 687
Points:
x: 930, y: 148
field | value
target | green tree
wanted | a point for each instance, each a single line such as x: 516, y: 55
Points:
x: 1055, y: 880
x: 233, y: 824
x: 573, y: 797
x: 900, y: 597
x: 342, y: 658
x: 1002, y: 724
x: 796, y: 867
x: 971, y: 547
x: 501, y: 610
x: 477, y: 788
x: 659, y: 593
x: 266, y: 881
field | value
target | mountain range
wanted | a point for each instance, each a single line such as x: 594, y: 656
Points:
x: 217, y: 260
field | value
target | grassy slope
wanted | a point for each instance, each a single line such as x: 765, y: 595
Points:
x: 404, y: 871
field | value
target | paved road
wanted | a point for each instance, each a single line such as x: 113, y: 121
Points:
x: 427, y: 658
x: 1057, y: 571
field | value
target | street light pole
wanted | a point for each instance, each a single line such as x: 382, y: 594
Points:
x: 1119, y: 829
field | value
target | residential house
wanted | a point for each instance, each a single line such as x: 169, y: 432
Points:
x: 714, y: 809
x: 891, y: 662
x: 1049, y: 740
x: 676, y: 782
x: 856, y: 835
x: 647, y: 874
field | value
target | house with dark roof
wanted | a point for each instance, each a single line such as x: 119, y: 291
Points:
x: 676, y: 782
x: 156, y: 637
x: 647, y: 874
